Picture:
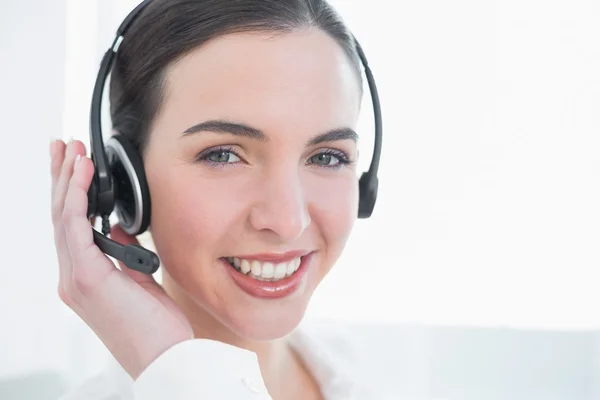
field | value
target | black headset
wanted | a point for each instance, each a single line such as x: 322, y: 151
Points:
x: 119, y: 181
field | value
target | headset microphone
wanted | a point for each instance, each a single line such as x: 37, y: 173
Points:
x: 119, y: 183
x: 133, y: 256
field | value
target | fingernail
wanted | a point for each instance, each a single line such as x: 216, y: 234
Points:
x: 77, y: 163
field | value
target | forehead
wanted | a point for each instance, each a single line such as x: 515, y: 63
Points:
x: 297, y: 78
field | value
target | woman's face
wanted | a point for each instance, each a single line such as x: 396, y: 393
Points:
x: 251, y: 168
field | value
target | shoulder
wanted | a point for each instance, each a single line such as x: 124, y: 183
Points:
x: 347, y: 342
x: 329, y: 340
x: 352, y: 360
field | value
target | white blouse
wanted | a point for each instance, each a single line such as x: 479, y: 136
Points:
x: 207, y: 369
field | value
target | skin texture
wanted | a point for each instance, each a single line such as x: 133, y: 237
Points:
x: 260, y: 196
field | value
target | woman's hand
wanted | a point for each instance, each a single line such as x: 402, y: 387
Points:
x: 132, y: 315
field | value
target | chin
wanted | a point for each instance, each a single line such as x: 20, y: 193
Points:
x: 266, y: 324
x: 268, y: 319
x: 262, y: 311
x: 251, y: 309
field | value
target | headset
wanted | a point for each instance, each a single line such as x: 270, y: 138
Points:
x: 119, y: 181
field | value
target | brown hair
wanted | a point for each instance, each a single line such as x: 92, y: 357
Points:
x: 167, y: 30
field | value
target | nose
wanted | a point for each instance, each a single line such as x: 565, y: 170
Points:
x: 281, y: 207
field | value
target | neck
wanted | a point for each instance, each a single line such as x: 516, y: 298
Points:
x: 276, y: 359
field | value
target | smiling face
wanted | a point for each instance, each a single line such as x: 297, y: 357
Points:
x: 251, y: 167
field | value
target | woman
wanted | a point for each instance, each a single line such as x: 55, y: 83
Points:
x: 229, y: 104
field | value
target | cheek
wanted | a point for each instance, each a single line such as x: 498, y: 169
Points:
x: 334, y: 208
x: 195, y: 214
x: 194, y: 222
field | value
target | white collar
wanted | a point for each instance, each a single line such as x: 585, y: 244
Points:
x: 331, y: 367
x: 328, y: 362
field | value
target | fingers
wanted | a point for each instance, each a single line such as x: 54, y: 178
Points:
x: 78, y: 231
x: 61, y: 169
x: 120, y: 236
x: 63, y: 177
x: 57, y: 155
x: 82, y: 265
x: 144, y: 280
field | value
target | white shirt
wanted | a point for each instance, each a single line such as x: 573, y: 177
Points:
x: 207, y: 369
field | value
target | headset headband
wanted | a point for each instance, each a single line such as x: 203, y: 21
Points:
x: 97, y: 145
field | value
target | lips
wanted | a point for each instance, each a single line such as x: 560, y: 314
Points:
x: 257, y: 277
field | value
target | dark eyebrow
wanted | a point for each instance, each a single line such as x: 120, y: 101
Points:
x: 234, y: 128
x: 334, y: 135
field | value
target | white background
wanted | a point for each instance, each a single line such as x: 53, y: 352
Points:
x: 488, y: 211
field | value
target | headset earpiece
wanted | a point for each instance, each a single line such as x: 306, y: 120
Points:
x: 367, y: 185
x: 132, y: 196
x: 125, y: 191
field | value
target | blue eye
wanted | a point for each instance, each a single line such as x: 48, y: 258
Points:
x: 325, y: 160
x: 222, y: 156
x: 219, y: 157
x: 329, y: 159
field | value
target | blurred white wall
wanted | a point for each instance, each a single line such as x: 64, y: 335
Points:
x: 490, y: 181
x: 489, y: 186
x: 32, y: 82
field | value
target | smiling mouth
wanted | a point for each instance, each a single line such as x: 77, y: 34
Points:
x: 265, y: 270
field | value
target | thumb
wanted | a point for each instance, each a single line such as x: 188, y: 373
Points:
x: 144, y: 280
x: 118, y: 234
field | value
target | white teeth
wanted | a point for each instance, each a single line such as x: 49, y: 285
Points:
x: 291, y: 267
x: 256, y: 268
x: 244, y: 265
x: 280, y: 270
x: 268, y: 270
x: 265, y: 270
